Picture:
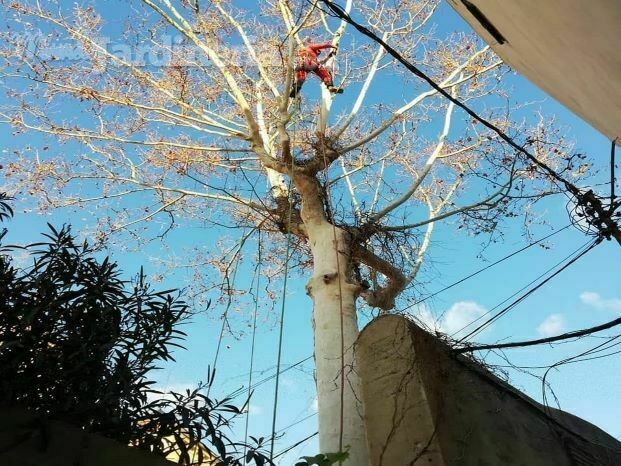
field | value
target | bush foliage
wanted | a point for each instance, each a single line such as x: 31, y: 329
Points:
x: 80, y: 344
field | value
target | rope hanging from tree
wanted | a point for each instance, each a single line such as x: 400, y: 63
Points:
x: 284, y: 297
x: 254, y: 332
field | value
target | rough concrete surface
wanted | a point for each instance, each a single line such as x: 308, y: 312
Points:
x: 425, y: 406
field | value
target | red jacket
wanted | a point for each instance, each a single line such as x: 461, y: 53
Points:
x: 312, y: 51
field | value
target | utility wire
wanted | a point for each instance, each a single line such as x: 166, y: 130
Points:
x: 268, y: 378
x: 289, y: 427
x: 585, y: 249
x: 293, y: 424
x: 467, y: 277
x: 540, y: 276
x: 598, y: 216
x: 287, y: 450
x: 508, y: 256
x: 574, y: 359
x: 613, y: 179
x: 542, y: 341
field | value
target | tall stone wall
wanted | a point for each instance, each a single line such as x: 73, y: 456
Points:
x: 424, y: 406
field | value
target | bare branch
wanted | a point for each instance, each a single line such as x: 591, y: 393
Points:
x: 447, y: 83
x: 487, y: 203
x: 383, y: 297
x: 425, y: 171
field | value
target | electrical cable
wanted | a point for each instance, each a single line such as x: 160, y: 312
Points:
x: 436, y: 293
x: 590, y: 205
x: 571, y: 359
x: 541, y: 275
x: 287, y: 450
x: 467, y: 277
x: 293, y: 424
x: 241, y: 391
x: 583, y: 250
x: 542, y: 341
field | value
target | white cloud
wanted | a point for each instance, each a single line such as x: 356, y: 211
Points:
x: 458, y: 316
x: 256, y: 409
x: 315, y: 405
x: 426, y: 317
x: 553, y: 325
x: 591, y: 298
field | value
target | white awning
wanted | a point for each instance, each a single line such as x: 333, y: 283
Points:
x: 571, y: 49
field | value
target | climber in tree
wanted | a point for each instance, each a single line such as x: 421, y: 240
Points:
x: 308, y: 62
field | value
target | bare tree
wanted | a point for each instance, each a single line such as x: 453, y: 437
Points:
x: 354, y: 185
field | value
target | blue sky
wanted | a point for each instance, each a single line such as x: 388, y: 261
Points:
x: 585, y: 294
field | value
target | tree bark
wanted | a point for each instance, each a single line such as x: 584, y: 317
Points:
x: 335, y: 327
x: 333, y: 295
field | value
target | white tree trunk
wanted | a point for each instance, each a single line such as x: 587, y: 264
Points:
x: 332, y: 294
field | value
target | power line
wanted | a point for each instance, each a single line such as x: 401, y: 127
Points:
x: 541, y: 275
x: 541, y: 341
x: 585, y: 248
x: 577, y: 358
x: 588, y: 203
x: 508, y: 256
x: 287, y: 450
x: 268, y: 378
x: 580, y: 253
x: 293, y: 424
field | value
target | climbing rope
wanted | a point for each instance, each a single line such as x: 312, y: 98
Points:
x: 212, y: 372
x: 254, y: 332
x: 284, y: 291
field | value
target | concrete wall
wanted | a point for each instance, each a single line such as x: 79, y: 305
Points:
x: 426, y: 407
x: 25, y: 441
